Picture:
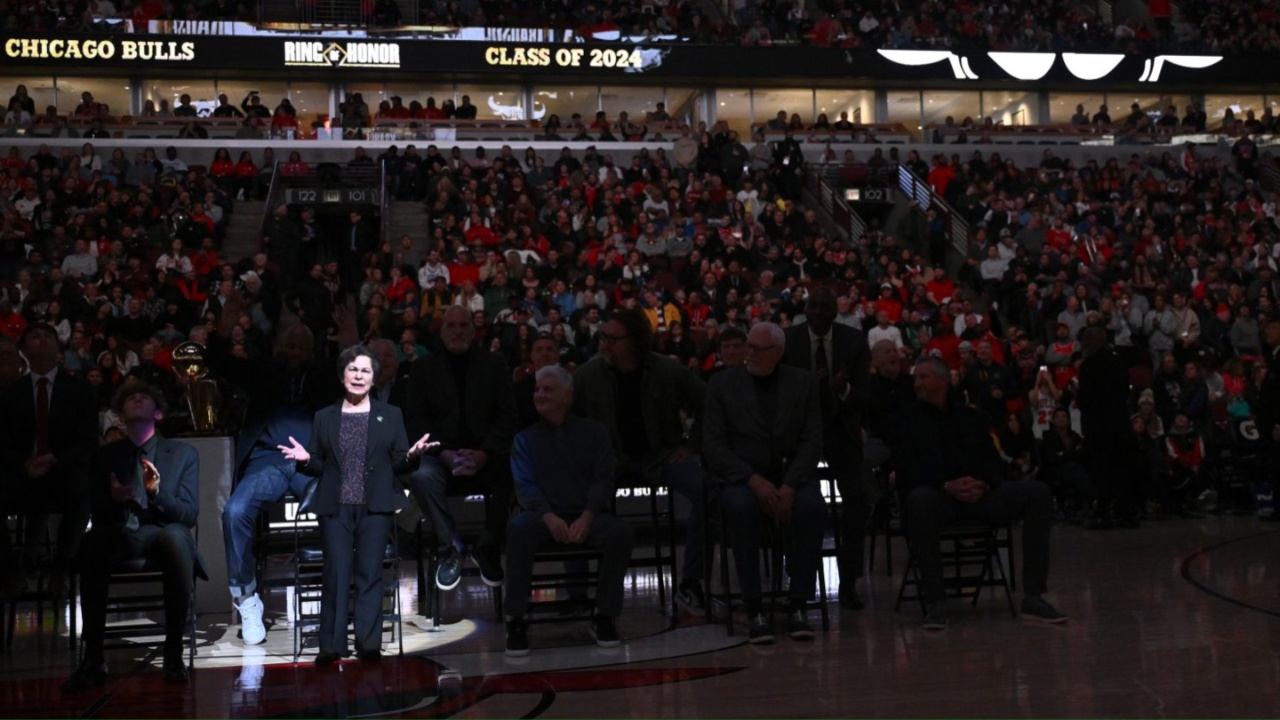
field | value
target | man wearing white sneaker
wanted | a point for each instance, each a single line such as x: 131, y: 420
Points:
x: 948, y: 469
x: 762, y: 442
x: 284, y: 395
x: 564, y: 478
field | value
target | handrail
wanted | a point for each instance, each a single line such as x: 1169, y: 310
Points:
x: 273, y: 197
x: 831, y: 203
x: 1270, y: 176
x: 922, y: 192
x: 384, y: 201
x: 1106, y: 12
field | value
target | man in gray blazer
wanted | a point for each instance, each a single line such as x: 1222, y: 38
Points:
x: 145, y: 496
x: 839, y: 356
x: 762, y: 441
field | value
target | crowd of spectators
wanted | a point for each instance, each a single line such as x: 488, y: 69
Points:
x: 657, y: 19
x: 1175, y: 255
x: 1218, y: 26
x: 1010, y: 25
x: 106, y: 15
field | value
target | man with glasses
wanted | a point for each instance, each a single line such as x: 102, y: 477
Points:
x: 762, y: 441
x: 644, y: 398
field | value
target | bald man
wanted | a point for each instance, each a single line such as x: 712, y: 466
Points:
x: 463, y: 397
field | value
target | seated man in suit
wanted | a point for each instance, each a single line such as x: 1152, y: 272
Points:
x: 564, y: 477
x: 762, y: 441
x: 948, y: 469
x: 462, y: 397
x: 48, y: 430
x: 144, y: 491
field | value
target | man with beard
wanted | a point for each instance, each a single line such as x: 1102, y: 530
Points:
x: 643, y: 398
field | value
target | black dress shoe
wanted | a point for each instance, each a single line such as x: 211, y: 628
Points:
x: 371, y: 656
x: 326, y: 659
x: 176, y: 671
x: 88, y: 675
x: 851, y: 601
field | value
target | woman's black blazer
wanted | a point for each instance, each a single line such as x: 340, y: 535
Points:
x: 386, y: 455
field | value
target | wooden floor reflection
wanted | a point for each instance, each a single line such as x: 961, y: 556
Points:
x: 1175, y: 619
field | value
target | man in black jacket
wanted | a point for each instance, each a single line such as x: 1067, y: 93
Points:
x: 360, y: 239
x: 462, y: 396
x: 948, y: 469
x: 838, y: 354
x: 283, y: 240
x: 1104, y: 423
x: 889, y: 388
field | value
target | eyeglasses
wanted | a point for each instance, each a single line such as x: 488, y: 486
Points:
x: 611, y: 339
x: 752, y: 347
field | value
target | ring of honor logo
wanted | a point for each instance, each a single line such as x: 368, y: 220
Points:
x: 351, y: 54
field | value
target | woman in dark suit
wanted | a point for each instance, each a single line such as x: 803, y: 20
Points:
x: 357, y: 448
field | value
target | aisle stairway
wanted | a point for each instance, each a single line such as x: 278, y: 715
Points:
x: 244, y: 231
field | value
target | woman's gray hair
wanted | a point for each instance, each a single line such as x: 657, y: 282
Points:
x: 558, y: 372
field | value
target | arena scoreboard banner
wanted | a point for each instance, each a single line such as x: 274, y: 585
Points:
x: 350, y: 57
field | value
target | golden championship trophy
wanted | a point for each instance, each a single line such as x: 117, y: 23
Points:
x: 203, y: 396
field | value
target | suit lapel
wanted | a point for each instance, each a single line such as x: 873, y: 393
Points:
x: 840, y: 347
x: 376, y: 427
x: 747, y: 391
x: 802, y: 352
x: 164, y: 464
x: 786, y: 402
x: 447, y: 383
x: 57, y: 399
x: 26, y: 408
x: 475, y: 383
x: 333, y: 429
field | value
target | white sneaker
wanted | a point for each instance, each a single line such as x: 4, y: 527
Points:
x: 251, y: 628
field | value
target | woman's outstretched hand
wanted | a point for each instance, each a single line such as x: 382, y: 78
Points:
x: 295, y: 452
x: 421, y: 446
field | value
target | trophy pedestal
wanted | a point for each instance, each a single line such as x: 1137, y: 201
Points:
x: 216, y: 456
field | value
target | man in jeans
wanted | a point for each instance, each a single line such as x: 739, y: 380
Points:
x: 283, y: 398
x: 564, y: 478
x: 643, y: 398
